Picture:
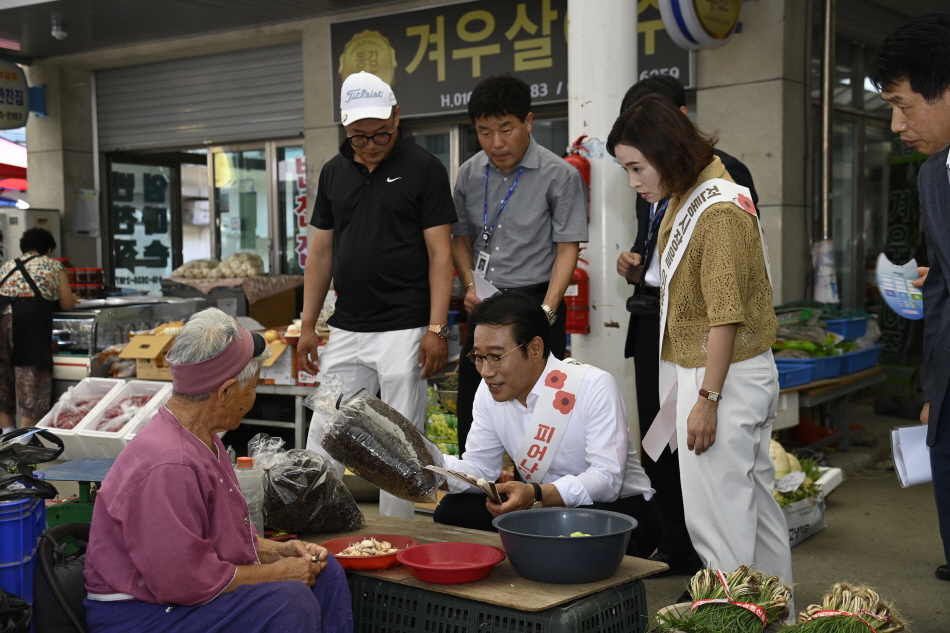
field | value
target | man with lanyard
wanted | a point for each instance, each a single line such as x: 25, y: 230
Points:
x: 382, y: 216
x: 639, y: 266
x: 522, y: 213
x: 912, y: 72
x: 563, y: 422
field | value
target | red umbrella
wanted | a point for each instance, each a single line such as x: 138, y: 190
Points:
x: 12, y: 160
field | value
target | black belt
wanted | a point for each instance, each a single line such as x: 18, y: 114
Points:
x: 653, y: 291
x: 534, y: 288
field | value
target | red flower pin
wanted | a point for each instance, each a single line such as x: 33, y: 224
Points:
x: 564, y: 402
x: 746, y: 203
x: 555, y: 379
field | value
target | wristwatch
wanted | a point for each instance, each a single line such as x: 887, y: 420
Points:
x: 538, y: 503
x: 552, y: 315
x: 441, y: 330
x: 715, y: 396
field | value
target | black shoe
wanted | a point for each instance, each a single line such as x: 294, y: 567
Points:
x: 678, y: 566
x: 942, y: 573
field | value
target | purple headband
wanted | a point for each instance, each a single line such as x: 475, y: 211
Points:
x: 194, y: 379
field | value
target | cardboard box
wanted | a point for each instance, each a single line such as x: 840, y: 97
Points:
x: 804, y: 518
x: 149, y: 350
x: 281, y: 367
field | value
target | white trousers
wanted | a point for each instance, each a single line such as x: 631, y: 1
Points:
x: 384, y: 361
x: 731, y: 515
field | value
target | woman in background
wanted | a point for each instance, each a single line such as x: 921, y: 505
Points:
x: 32, y: 286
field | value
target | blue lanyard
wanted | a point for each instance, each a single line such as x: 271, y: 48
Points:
x: 655, y: 221
x: 488, y: 230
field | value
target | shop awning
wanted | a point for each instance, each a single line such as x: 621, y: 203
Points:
x: 16, y: 184
x: 12, y: 160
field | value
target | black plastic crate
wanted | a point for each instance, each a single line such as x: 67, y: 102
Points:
x: 380, y: 606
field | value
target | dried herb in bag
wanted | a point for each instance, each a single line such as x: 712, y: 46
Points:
x: 302, y: 491
x: 377, y: 443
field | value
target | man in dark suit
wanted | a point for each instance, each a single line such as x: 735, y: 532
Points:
x: 913, y: 74
x: 643, y: 339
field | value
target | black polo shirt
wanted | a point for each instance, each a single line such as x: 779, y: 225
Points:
x: 380, y: 260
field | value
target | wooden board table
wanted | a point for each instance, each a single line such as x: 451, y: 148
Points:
x: 503, y: 587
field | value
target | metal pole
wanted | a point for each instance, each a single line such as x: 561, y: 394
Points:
x: 827, y: 101
x: 602, y: 65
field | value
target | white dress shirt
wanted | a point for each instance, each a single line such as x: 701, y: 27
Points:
x: 595, y: 461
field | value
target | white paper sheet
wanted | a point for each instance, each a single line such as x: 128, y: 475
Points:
x: 911, y: 455
x: 483, y: 287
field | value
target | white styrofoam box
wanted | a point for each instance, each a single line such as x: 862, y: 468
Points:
x: 102, y: 387
x: 787, y: 414
x: 829, y: 480
x: 108, y: 444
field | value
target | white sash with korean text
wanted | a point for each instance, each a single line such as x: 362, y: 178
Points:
x: 663, y: 429
x: 552, y: 414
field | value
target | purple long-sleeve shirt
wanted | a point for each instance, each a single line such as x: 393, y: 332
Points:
x: 170, y: 524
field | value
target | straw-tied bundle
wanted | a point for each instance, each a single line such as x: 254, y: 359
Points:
x: 849, y: 609
x: 744, y: 601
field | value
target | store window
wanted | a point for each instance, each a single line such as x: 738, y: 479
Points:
x: 240, y: 194
x: 143, y: 200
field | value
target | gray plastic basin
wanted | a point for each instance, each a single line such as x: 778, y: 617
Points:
x: 540, y: 548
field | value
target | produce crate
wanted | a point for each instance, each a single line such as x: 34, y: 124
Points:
x: 103, y: 387
x: 850, y: 329
x: 108, y: 444
x: 379, y: 605
x: 856, y: 361
x: 790, y: 376
x: 821, y: 368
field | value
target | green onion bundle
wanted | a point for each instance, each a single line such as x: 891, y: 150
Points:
x: 744, y: 601
x: 849, y: 609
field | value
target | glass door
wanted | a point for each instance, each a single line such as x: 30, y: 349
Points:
x: 292, y: 208
x: 240, y: 198
x: 143, y: 209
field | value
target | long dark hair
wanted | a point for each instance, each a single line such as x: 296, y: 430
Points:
x: 667, y: 139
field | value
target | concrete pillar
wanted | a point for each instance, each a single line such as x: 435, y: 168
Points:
x: 602, y: 65
x: 60, y: 152
x: 753, y: 93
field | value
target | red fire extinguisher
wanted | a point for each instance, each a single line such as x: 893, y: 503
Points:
x: 577, y: 299
x: 575, y: 158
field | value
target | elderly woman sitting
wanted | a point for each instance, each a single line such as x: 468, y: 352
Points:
x: 172, y: 546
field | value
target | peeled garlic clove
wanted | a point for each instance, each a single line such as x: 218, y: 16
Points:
x: 386, y: 545
x: 367, y: 543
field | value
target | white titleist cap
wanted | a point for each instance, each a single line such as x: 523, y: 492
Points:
x: 365, y: 96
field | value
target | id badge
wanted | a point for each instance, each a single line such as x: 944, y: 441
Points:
x: 482, y: 264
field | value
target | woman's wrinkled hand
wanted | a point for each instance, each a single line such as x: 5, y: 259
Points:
x: 299, y: 568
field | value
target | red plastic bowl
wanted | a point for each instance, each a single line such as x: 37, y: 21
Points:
x: 369, y: 563
x: 451, y: 563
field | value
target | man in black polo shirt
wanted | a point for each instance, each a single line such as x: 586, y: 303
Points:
x: 382, y: 215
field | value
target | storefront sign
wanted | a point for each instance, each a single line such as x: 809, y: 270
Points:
x: 300, y: 210
x: 14, y: 96
x: 433, y: 58
x: 657, y: 53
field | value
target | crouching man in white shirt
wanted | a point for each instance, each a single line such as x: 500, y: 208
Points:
x: 563, y: 423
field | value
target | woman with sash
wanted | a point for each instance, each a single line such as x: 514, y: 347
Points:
x: 718, y: 381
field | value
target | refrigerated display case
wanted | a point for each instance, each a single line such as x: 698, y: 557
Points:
x: 83, y: 333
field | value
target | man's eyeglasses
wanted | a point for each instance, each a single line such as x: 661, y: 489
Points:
x: 362, y: 140
x: 493, y: 359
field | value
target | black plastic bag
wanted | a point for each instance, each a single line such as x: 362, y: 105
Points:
x: 302, y: 491
x: 14, y: 613
x: 31, y: 487
x: 24, y: 456
x: 380, y: 445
